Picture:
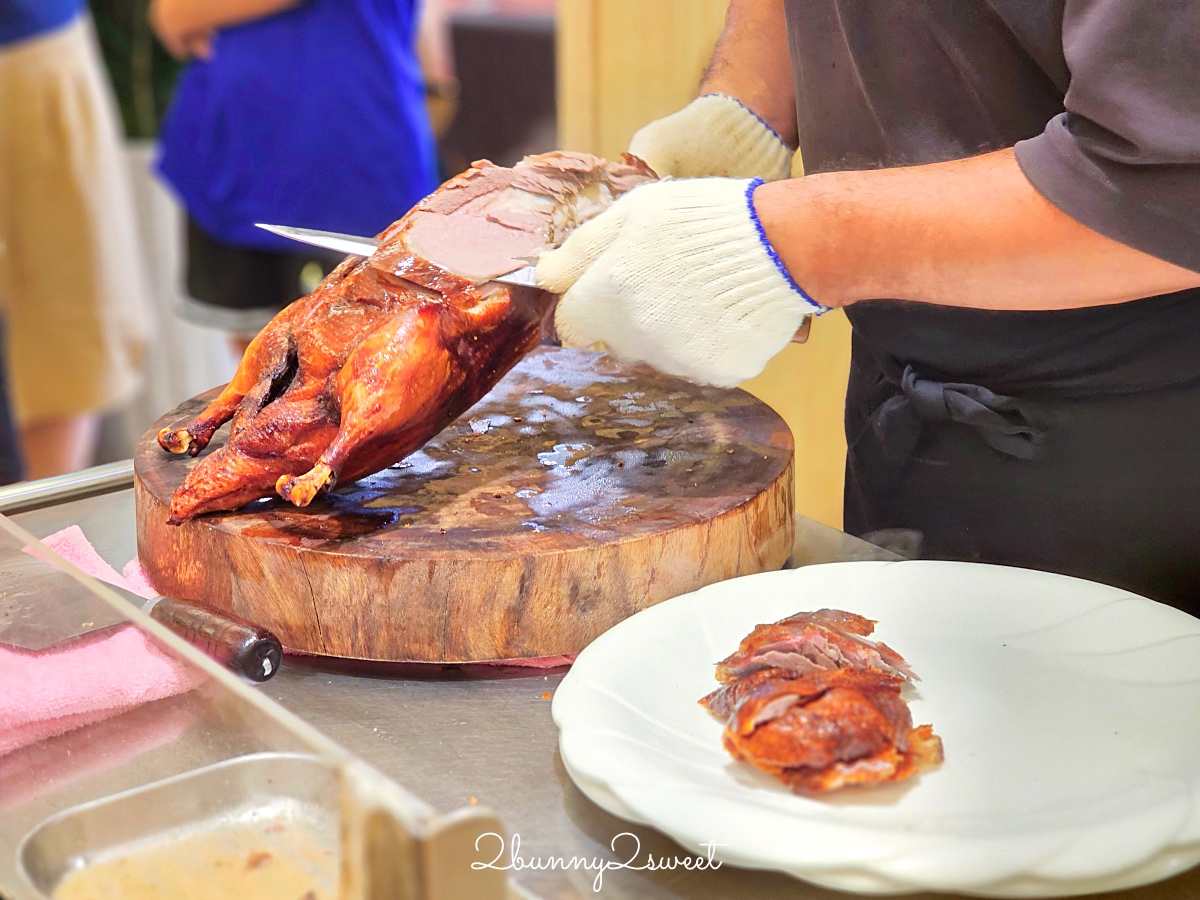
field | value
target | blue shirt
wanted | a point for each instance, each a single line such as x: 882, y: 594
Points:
x: 314, y: 117
x: 20, y: 19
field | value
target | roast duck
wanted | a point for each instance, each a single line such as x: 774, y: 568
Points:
x: 390, y: 349
x: 815, y: 703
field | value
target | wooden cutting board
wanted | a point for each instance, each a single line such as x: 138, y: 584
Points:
x: 575, y: 494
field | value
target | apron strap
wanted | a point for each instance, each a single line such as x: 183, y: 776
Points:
x: 1005, y: 423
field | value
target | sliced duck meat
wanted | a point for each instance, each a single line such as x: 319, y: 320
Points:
x: 889, y: 764
x: 808, y: 642
x: 817, y: 720
x: 804, y: 701
x: 724, y: 700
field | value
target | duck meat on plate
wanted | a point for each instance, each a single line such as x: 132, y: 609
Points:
x: 814, y: 702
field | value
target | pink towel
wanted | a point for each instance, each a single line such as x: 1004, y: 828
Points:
x: 52, y: 691
x: 92, y: 678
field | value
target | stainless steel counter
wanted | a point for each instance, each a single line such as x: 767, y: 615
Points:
x: 454, y: 735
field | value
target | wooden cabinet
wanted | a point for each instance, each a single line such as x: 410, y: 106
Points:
x: 622, y: 63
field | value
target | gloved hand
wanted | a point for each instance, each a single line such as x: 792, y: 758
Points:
x: 713, y: 135
x: 680, y: 275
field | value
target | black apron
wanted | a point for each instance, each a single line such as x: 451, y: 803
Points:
x: 1064, y: 440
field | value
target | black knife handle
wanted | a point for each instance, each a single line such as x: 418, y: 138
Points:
x: 246, y: 648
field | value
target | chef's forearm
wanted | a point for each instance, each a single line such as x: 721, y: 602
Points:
x: 971, y: 233
x: 199, y: 16
x: 752, y: 63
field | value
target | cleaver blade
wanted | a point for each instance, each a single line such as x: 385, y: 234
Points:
x: 524, y: 276
x: 41, y: 606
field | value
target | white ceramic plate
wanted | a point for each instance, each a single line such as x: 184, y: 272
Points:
x: 1069, y: 711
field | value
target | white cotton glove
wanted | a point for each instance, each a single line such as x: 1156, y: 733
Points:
x: 680, y: 275
x: 713, y: 135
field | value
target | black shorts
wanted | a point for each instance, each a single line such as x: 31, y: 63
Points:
x: 240, y: 289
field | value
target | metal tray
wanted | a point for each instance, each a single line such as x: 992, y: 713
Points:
x: 264, y: 825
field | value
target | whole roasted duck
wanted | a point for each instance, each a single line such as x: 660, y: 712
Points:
x: 392, y: 348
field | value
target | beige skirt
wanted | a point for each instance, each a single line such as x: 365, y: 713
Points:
x: 72, y: 278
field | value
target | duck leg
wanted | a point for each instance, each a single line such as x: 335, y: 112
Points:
x: 266, y: 368
x: 393, y: 383
x: 413, y: 376
x: 265, y: 359
x: 284, y: 439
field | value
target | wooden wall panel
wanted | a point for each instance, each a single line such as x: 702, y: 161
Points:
x: 622, y: 63
x: 576, y: 73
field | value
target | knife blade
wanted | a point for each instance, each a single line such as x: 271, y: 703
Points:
x: 523, y: 276
x: 41, y: 607
x: 526, y: 276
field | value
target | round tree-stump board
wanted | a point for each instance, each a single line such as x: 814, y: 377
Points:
x: 575, y: 494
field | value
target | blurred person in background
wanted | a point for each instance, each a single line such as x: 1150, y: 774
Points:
x: 72, y: 283
x: 310, y: 114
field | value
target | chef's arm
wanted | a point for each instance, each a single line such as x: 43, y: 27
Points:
x: 970, y: 233
x: 184, y: 26
x: 743, y: 124
x: 752, y: 63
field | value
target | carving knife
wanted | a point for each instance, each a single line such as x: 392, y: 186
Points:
x: 524, y: 276
x: 41, y: 607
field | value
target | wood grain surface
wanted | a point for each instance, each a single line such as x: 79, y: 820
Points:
x: 575, y: 494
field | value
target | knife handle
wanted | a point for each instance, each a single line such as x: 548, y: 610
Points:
x: 246, y: 648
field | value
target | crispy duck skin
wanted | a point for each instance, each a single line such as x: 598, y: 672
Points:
x: 812, y: 642
x: 924, y: 752
x: 817, y: 720
x: 819, y: 728
x: 724, y: 700
x: 391, y: 349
